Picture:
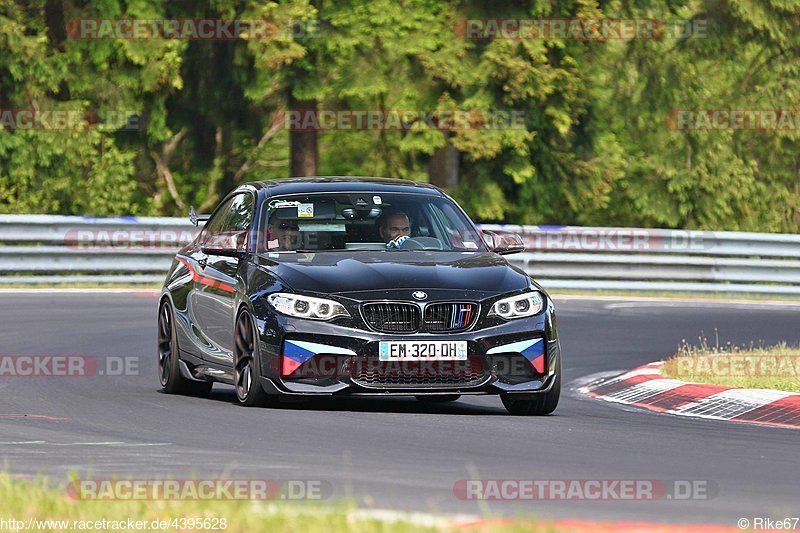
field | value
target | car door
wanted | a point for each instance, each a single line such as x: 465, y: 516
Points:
x: 214, y: 297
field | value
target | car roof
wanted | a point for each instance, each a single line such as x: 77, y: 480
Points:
x: 344, y: 184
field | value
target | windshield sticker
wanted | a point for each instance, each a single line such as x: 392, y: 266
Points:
x: 332, y: 227
x: 471, y: 245
x: 377, y: 200
x: 271, y: 245
x: 280, y: 204
x: 305, y: 211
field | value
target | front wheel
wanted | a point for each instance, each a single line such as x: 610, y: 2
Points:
x: 169, y: 372
x: 541, y: 404
x: 247, y: 366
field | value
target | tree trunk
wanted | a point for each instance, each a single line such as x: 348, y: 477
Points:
x: 57, y: 33
x: 56, y: 27
x: 443, y: 168
x: 303, y: 144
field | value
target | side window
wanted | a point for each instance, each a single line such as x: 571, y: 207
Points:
x: 240, y: 213
x: 455, y: 231
x: 440, y: 226
x: 422, y: 225
x: 234, y: 215
x: 215, y: 223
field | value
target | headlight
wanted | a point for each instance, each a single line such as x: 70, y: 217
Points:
x: 306, y: 306
x: 527, y: 304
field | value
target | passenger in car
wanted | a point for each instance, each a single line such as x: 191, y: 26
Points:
x: 282, y: 235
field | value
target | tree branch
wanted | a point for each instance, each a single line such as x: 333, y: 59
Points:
x: 211, y: 198
x: 277, y: 125
x: 162, y: 165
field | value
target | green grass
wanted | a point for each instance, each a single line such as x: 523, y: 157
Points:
x: 24, y: 499
x: 751, y: 367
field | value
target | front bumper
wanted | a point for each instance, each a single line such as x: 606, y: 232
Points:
x: 302, y: 357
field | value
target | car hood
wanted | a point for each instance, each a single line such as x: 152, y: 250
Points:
x: 366, y: 271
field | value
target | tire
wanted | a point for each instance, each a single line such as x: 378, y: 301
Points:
x: 169, y: 372
x: 541, y: 404
x: 246, y: 365
x: 438, y: 399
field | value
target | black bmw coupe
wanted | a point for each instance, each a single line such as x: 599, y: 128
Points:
x: 355, y: 286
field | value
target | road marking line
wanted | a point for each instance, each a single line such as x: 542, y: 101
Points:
x: 15, y: 416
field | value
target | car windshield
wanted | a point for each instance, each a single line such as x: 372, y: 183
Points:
x: 364, y: 221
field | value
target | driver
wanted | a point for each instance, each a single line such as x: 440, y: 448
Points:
x: 285, y: 232
x: 394, y: 228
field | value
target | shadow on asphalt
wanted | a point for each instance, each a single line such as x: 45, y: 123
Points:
x: 372, y: 404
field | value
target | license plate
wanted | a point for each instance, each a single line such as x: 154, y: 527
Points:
x: 423, y: 351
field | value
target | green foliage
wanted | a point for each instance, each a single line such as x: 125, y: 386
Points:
x: 597, y: 143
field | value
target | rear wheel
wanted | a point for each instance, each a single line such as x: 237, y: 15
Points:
x: 169, y: 372
x: 438, y: 399
x: 247, y: 366
x: 541, y: 404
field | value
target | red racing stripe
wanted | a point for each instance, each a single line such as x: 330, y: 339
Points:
x: 203, y: 279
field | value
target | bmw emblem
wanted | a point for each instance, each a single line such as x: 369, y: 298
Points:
x: 419, y: 295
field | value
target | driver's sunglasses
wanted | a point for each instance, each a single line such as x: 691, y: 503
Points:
x: 284, y: 226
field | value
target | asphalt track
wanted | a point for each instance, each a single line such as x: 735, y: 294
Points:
x: 398, y: 453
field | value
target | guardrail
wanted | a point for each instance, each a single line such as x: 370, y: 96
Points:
x: 43, y: 249
x: 61, y: 249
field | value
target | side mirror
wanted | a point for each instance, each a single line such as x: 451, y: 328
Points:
x: 503, y: 243
x: 229, y: 244
x: 196, y: 219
